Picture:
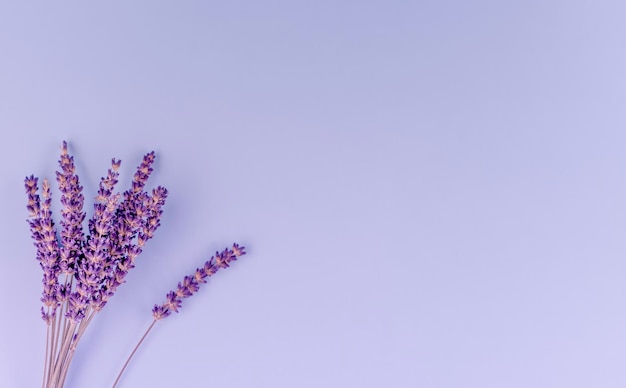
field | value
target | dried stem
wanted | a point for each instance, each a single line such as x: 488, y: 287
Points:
x: 133, y: 353
x: 45, y: 360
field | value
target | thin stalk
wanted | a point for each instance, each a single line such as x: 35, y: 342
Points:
x: 52, y: 355
x: 133, y: 353
x: 83, y: 325
x: 89, y: 313
x: 45, y: 360
x: 61, y: 336
x: 62, y: 355
x: 59, y: 324
x: 79, y: 333
x: 66, y: 364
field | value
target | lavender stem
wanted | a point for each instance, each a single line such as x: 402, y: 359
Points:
x: 45, y: 361
x: 133, y: 353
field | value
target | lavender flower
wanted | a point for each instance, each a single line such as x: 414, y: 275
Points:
x: 44, y: 234
x: 191, y: 284
x: 50, y: 249
x: 98, y: 261
x: 72, y: 237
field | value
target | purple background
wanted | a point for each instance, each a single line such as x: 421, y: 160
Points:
x: 432, y: 193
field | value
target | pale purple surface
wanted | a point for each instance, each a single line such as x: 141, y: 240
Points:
x: 431, y: 193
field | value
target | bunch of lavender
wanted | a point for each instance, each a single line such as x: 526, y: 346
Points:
x: 82, y: 272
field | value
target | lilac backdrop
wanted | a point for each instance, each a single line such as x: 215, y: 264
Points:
x: 432, y: 193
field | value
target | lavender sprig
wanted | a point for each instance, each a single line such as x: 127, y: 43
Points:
x: 72, y: 236
x: 44, y: 234
x: 191, y: 283
x: 99, y: 244
x: 186, y: 288
x: 49, y: 254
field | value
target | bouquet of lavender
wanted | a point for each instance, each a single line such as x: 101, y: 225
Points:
x: 82, y: 272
